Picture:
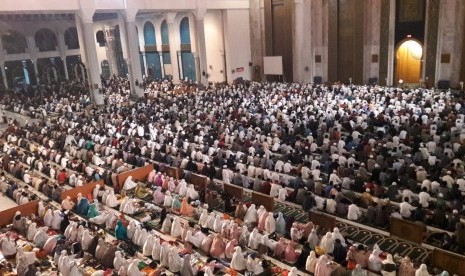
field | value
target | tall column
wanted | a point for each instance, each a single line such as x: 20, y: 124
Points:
x: 36, y: 74
x: 172, y: 34
x: 92, y: 65
x: 201, y: 45
x: 450, y: 41
x: 32, y: 50
x: 2, y: 64
x: 135, y: 75
x: 123, y: 35
x: 302, y: 38
x: 62, y: 46
x: 371, y: 47
x: 256, y: 38
x: 80, y: 34
x: 144, y: 59
x: 5, y: 81
x: 65, y: 67
x: 391, y: 47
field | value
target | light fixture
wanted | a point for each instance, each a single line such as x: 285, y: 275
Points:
x: 409, y: 36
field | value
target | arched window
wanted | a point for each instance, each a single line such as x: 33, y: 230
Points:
x: 184, y: 31
x: 45, y: 40
x: 149, y: 34
x: 14, y: 42
x: 71, y: 38
x: 100, y: 37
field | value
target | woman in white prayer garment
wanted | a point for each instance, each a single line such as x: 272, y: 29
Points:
x: 57, y: 218
x: 41, y: 237
x: 133, y: 269
x: 255, y: 239
x: 156, y: 249
x: 119, y: 260
x: 148, y: 245
x: 175, y: 260
x: 86, y: 239
x: 251, y: 216
x: 100, y: 219
x: 176, y: 228
x: 129, y: 183
x: 132, y: 228
x: 164, y: 254
x: 48, y: 217
x: 31, y: 231
x: 422, y: 271
x: 191, y: 193
x: 111, y: 200
x: 218, y: 224
x: 270, y: 223
x: 337, y: 235
x: 238, y: 262
x: 203, y: 218
x: 327, y: 243
x: 8, y: 247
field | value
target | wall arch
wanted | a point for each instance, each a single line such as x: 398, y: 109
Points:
x: 45, y: 40
x: 71, y: 38
x: 149, y: 34
x: 409, y: 54
x: 14, y: 42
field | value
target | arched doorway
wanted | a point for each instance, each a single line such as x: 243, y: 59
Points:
x: 408, y: 61
x: 50, y: 74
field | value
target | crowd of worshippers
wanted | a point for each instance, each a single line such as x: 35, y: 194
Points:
x: 223, y: 242
x: 317, y: 140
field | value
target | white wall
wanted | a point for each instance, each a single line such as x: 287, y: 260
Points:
x: 213, y: 22
x: 237, y: 38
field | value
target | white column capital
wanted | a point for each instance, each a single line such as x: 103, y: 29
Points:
x: 170, y: 16
x: 199, y: 14
x: 86, y: 15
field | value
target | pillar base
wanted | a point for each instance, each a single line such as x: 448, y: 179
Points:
x: 97, y: 97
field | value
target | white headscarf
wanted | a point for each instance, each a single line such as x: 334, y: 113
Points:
x: 175, y: 260
x: 251, y: 215
x: 238, y: 261
x: 176, y: 228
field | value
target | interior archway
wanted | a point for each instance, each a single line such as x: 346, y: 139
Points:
x: 408, y: 61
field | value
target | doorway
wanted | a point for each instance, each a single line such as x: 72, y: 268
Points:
x: 408, y: 62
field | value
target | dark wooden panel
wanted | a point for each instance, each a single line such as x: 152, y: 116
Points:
x: 6, y: 216
x: 150, y: 48
x: 350, y: 40
x: 85, y: 190
x: 199, y: 181
x: 326, y: 222
x: 279, y: 34
x: 407, y: 230
x: 445, y: 58
x: 234, y: 191
x: 453, y: 263
x: 384, y: 41
x: 137, y: 174
x: 431, y: 40
x: 332, y: 40
x: 262, y: 199
x: 462, y: 78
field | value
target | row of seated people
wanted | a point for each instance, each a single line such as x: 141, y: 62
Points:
x: 441, y: 219
x: 328, y: 241
x: 380, y: 212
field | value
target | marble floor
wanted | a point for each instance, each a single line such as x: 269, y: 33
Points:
x: 6, y: 203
